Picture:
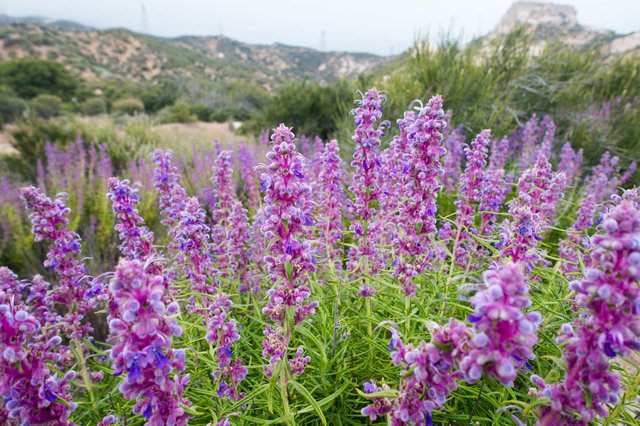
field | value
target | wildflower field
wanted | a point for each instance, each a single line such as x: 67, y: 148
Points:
x: 428, y: 279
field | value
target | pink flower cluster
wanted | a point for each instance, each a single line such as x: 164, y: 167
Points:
x: 471, y: 184
x: 331, y: 201
x: 32, y: 394
x: 50, y: 219
x: 137, y: 240
x: 290, y: 259
x: 610, y: 327
x: 142, y: 333
x: 418, y: 191
x: 428, y: 376
x: 366, y: 186
x: 223, y: 333
x: 503, y: 334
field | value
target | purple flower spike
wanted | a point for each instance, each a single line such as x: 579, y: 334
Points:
x: 610, y: 327
x: 366, y: 186
x: 503, y: 335
x: 142, y: 331
x: 290, y: 258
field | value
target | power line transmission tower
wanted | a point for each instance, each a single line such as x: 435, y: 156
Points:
x: 144, y: 20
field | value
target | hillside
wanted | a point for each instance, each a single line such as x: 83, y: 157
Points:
x: 551, y: 21
x: 123, y: 54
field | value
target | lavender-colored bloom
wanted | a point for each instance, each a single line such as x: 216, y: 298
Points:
x: 471, y: 183
x: 173, y: 197
x: 137, y: 239
x: 539, y: 190
x: 419, y: 188
x: 631, y: 170
x: 223, y: 333
x: 230, y: 231
x: 142, y: 332
x: 331, y: 201
x: 31, y: 393
x: 366, y: 186
x: 500, y: 150
x: 288, y: 216
x: 50, y: 220
x: 381, y: 406
x: 428, y: 375
x: 570, y: 162
x: 192, y: 239
x: 492, y: 197
x: 611, y: 327
x: 453, y: 159
x: 503, y: 334
x: 249, y: 182
x: 569, y: 249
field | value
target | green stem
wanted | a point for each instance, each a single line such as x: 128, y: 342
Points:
x: 84, y: 372
x: 407, y: 310
x: 475, y: 405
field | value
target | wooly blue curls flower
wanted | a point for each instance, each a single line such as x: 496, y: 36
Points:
x: 611, y: 327
x: 331, y: 200
x: 419, y: 189
x: 503, y: 334
x: 428, y: 376
x: 50, y: 219
x: 137, y: 240
x: 31, y: 393
x: 142, y: 333
x: 366, y: 185
x: 287, y: 224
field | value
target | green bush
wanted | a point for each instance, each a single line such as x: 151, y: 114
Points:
x: 11, y: 107
x: 46, y: 106
x: 127, y: 106
x: 178, y: 113
x: 310, y: 108
x: 29, y: 77
x: 159, y: 96
x: 94, y: 106
x: 29, y: 135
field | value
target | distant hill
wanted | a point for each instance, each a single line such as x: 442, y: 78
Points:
x: 546, y: 21
x: 124, y: 54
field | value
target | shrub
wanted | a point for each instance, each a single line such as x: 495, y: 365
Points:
x: 46, y: 106
x: 178, y: 113
x: 157, y: 97
x: 11, y: 107
x: 94, y: 106
x: 127, y: 106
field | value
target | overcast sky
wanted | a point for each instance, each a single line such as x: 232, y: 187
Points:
x: 375, y: 26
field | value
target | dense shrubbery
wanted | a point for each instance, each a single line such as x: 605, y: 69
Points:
x: 46, y: 106
x: 433, y: 281
x: 94, y: 106
x: 29, y: 77
x: 308, y: 106
x: 127, y: 106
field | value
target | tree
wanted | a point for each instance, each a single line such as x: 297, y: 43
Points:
x: 29, y: 77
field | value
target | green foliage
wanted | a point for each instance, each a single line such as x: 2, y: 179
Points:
x: 46, y: 106
x: 127, y: 106
x: 29, y: 77
x: 29, y: 136
x: 158, y: 96
x: 94, y: 106
x: 179, y: 112
x: 11, y: 107
x: 310, y: 108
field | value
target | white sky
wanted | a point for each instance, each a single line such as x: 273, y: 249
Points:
x: 375, y: 26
